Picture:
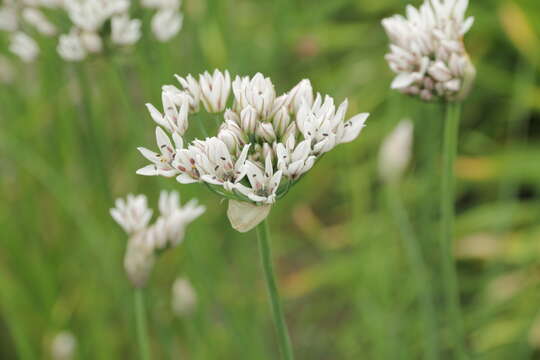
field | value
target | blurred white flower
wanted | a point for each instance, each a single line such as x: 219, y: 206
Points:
x: 132, y: 213
x: 8, y: 18
x: 145, y: 240
x: 70, y: 47
x: 125, y: 31
x: 36, y: 18
x: 427, y: 51
x: 63, y: 346
x: 184, y: 297
x: 395, y: 152
x: 263, y: 146
x: 24, y: 47
x: 161, y: 4
x: 166, y: 23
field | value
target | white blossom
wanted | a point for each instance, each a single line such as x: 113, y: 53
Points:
x: 24, y: 47
x: 145, y: 240
x: 184, y: 297
x: 36, y: 18
x: 125, y: 31
x: 215, y: 90
x: 166, y: 23
x: 63, y: 346
x: 395, y: 152
x: 264, y: 144
x: 427, y: 51
x: 132, y: 213
x: 70, y: 47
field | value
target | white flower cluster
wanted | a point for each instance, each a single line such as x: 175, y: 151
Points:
x: 90, y: 16
x: 16, y: 15
x: 145, y: 240
x: 89, y: 21
x: 264, y: 144
x: 427, y: 51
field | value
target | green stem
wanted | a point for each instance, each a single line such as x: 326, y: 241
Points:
x: 449, y: 273
x: 140, y: 319
x: 263, y: 235
x: 419, y: 267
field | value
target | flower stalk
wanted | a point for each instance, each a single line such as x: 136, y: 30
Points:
x: 419, y: 267
x: 449, y: 272
x: 140, y: 319
x: 284, y: 340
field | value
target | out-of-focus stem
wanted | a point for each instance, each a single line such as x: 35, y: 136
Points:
x: 140, y: 320
x: 449, y: 272
x: 418, y: 265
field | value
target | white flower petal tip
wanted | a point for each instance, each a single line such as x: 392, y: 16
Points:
x: 245, y: 216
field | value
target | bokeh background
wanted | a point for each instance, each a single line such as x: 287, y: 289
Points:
x: 68, y: 134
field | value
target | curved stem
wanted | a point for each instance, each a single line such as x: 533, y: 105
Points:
x: 140, y: 319
x: 419, y: 267
x: 449, y: 273
x: 263, y: 236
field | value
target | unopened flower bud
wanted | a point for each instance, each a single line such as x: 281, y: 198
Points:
x: 229, y: 138
x: 248, y: 120
x: 184, y: 298
x: 281, y: 121
x: 266, y: 131
x: 395, y: 152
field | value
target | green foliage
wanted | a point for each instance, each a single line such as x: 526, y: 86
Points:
x: 68, y: 135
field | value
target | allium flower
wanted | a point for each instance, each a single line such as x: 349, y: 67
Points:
x: 427, y: 51
x: 63, y: 346
x: 16, y: 17
x: 24, y: 47
x: 263, y: 146
x: 395, y: 152
x: 184, y: 297
x: 145, y: 240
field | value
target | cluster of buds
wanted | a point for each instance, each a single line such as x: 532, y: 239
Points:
x: 94, y: 24
x: 18, y: 15
x: 145, y: 240
x: 263, y: 146
x: 427, y: 51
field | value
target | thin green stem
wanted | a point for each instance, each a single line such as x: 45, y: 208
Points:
x: 419, y: 267
x: 263, y: 235
x: 449, y: 273
x: 140, y: 319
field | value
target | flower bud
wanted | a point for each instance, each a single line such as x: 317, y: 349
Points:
x: 266, y: 131
x: 229, y: 138
x: 281, y: 121
x: 395, y: 152
x: 184, y: 298
x: 248, y: 120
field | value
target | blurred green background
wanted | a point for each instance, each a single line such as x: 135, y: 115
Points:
x: 68, y: 134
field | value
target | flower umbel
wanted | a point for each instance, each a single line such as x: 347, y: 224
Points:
x: 264, y: 144
x: 427, y: 51
x: 145, y: 240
